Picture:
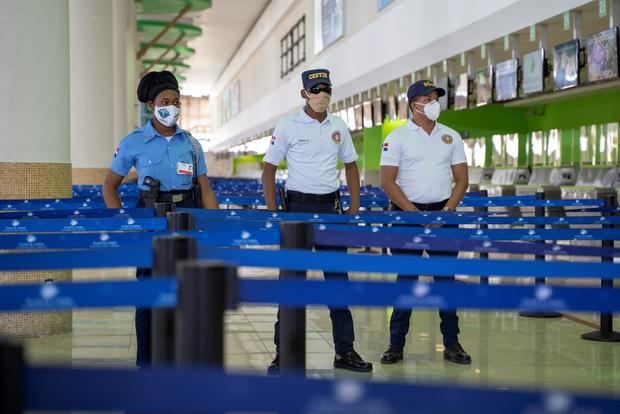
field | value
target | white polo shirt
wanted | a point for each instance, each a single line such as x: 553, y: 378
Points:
x: 312, y: 150
x: 424, y: 161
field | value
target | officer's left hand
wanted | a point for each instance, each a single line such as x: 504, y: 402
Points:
x: 352, y: 211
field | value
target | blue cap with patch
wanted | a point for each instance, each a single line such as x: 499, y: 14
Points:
x: 313, y: 77
x: 423, y: 88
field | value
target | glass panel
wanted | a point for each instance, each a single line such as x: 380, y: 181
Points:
x: 586, y: 146
x: 512, y: 149
x: 553, y: 147
x: 480, y: 152
x: 538, y: 156
x: 469, y: 151
x: 498, y: 150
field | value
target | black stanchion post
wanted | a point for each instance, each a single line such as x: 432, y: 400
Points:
x: 539, y: 211
x: 204, y: 293
x: 483, y: 193
x: 180, y: 221
x: 606, y: 331
x: 293, y: 235
x: 167, y: 251
x: 11, y: 378
x: 161, y: 209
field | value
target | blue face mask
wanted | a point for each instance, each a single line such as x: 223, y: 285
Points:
x: 167, y: 115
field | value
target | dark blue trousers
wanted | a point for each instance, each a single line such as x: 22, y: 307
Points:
x: 342, y: 321
x: 143, y: 315
x: 399, y: 323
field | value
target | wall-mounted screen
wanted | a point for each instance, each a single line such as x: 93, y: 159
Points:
x: 484, y: 86
x: 367, y: 109
x: 566, y: 65
x: 461, y: 95
x: 506, y: 80
x: 377, y: 111
x: 602, y: 54
x: 359, y: 117
x: 403, y: 106
x: 534, y: 72
x: 444, y: 84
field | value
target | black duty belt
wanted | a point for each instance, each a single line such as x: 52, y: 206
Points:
x: 304, y: 198
x: 174, y: 196
x: 424, y: 206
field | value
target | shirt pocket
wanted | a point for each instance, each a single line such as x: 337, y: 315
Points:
x: 150, y: 165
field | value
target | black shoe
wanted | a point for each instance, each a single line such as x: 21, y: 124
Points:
x: 456, y: 353
x: 352, y: 361
x: 274, y: 367
x: 392, y: 355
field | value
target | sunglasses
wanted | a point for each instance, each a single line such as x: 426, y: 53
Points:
x: 316, y: 90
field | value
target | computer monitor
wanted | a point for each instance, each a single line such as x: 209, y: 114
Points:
x: 602, y: 55
x: 506, y: 85
x: 461, y: 96
x: 534, y: 72
x: 484, y: 86
x: 566, y: 65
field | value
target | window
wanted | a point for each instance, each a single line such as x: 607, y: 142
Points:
x: 293, y: 48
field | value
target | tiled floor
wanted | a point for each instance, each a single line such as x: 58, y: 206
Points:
x: 508, y: 351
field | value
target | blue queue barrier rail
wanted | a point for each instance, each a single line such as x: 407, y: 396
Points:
x: 308, y: 260
x: 362, y: 235
x: 162, y: 292
x: 166, y: 389
x: 147, y: 293
x: 404, y: 264
x: 71, y: 225
x: 366, y: 202
x: 77, y: 213
x: 392, y: 217
x: 132, y: 240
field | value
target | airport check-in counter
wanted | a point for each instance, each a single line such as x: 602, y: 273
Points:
x: 592, y: 182
x: 479, y: 178
x: 504, y: 181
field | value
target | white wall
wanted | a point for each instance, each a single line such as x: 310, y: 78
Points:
x: 378, y: 47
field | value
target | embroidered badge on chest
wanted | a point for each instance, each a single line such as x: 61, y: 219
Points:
x: 336, y: 137
x: 447, y: 139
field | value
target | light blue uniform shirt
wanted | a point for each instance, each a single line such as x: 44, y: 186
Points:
x: 154, y: 156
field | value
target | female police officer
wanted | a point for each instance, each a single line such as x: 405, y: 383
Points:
x: 168, y: 161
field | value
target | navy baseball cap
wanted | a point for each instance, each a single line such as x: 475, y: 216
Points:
x: 423, y: 88
x: 313, y: 77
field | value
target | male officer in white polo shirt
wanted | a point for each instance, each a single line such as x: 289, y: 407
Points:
x: 418, y: 162
x: 313, y: 140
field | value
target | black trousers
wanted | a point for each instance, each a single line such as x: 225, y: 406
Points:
x: 143, y: 315
x: 400, y: 320
x: 342, y: 321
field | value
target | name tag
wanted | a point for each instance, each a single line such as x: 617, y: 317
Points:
x: 185, y: 169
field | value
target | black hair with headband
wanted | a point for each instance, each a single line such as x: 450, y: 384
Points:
x: 153, y: 83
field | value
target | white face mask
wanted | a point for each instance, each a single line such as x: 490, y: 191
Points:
x: 431, y: 110
x: 319, y: 102
x: 167, y: 115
